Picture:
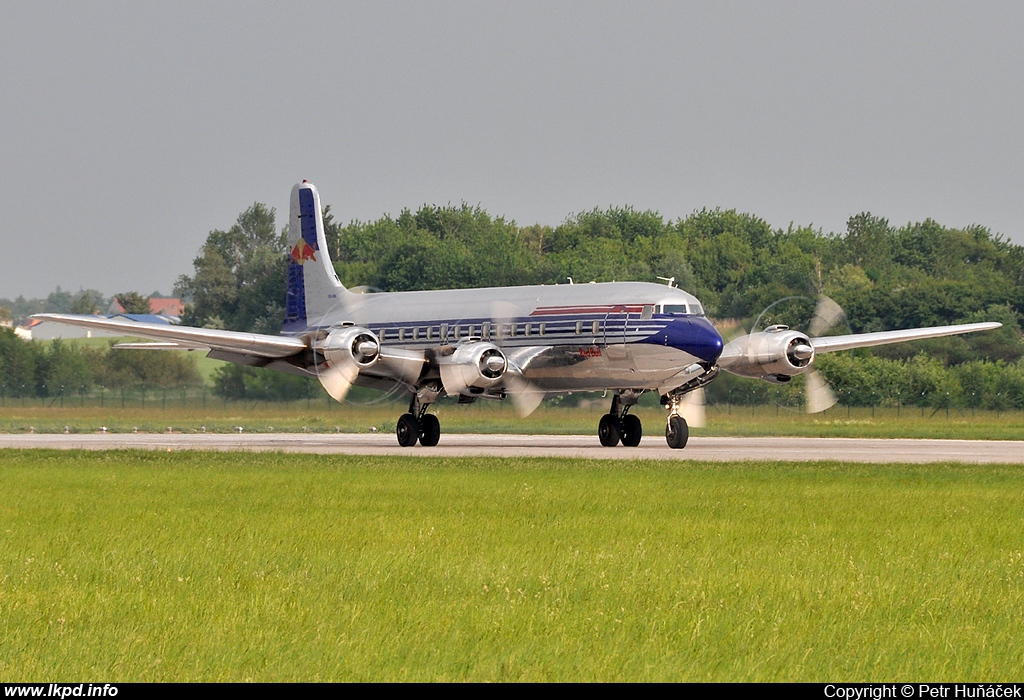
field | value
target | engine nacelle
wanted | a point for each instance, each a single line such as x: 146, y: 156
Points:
x: 775, y: 354
x: 345, y: 347
x: 473, y: 366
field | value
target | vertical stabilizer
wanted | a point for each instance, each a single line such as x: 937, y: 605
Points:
x: 313, y: 287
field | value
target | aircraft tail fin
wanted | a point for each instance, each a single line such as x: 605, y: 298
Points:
x: 313, y: 286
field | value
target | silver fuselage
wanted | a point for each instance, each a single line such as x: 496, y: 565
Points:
x: 574, y: 337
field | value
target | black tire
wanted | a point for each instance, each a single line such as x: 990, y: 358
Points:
x: 632, y: 430
x: 608, y: 430
x: 677, y: 432
x: 430, y: 430
x: 408, y: 430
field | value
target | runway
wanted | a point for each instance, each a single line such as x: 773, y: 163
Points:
x: 582, y: 446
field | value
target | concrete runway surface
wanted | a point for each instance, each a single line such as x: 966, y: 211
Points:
x: 585, y: 446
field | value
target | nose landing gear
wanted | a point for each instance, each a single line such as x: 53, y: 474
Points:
x: 677, y: 432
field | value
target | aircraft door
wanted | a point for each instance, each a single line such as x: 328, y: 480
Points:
x: 615, y: 324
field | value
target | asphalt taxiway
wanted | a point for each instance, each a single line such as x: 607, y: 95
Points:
x: 584, y: 446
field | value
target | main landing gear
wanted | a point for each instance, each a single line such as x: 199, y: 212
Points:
x: 427, y: 430
x: 618, y: 425
x: 417, y: 424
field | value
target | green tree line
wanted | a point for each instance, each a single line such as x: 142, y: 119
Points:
x: 884, y: 276
x: 32, y: 369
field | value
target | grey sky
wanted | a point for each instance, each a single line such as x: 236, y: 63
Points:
x: 130, y: 130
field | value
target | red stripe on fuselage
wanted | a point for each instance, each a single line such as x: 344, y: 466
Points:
x: 603, y: 309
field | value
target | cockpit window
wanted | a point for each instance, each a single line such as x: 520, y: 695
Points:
x: 688, y: 309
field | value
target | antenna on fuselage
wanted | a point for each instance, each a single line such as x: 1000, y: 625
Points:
x: 570, y: 280
x: 670, y: 281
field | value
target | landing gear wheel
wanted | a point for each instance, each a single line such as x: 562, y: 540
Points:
x: 430, y: 430
x: 632, y: 430
x: 408, y: 430
x: 677, y: 432
x: 608, y: 430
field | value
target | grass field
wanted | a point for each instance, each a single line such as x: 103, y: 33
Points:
x: 191, y: 566
x: 323, y: 416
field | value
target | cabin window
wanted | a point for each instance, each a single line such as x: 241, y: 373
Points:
x: 528, y: 329
x: 647, y: 313
x: 543, y: 327
x: 486, y: 330
x: 444, y: 331
x: 594, y: 326
x: 401, y: 334
x: 579, y: 327
x: 675, y: 308
x: 511, y: 330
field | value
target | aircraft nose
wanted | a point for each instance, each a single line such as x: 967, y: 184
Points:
x: 696, y: 335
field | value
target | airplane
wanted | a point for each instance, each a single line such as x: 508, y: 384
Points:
x: 516, y: 343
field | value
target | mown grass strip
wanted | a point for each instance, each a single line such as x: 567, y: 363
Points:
x: 501, y: 418
x: 200, y: 566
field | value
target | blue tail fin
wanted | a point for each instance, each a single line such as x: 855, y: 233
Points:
x: 313, y: 287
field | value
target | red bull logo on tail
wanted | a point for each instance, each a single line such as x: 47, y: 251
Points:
x: 303, y: 252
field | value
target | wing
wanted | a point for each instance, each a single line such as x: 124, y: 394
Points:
x: 254, y: 345
x: 780, y: 352
x: 835, y: 343
x: 777, y: 354
x: 336, y: 360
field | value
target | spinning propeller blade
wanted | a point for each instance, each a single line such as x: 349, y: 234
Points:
x: 336, y: 380
x: 693, y: 408
x: 818, y: 394
x: 525, y: 396
x: 827, y: 314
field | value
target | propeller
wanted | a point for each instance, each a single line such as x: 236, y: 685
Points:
x: 335, y: 380
x: 692, y: 408
x: 524, y: 394
x: 818, y: 394
x: 345, y: 352
x: 478, y: 364
x: 827, y: 313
